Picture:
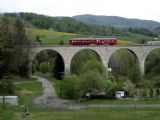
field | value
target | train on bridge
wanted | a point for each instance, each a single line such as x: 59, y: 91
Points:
x: 93, y: 41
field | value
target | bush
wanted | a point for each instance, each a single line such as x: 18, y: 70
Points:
x: 145, y: 93
x: 151, y: 93
x: 61, y: 42
x: 81, y: 58
x: 156, y: 80
x: 134, y: 75
x: 7, y: 87
x: 115, y: 84
x: 91, y: 82
x: 44, y: 67
x: 109, y: 89
x: 147, y: 83
x: 70, y: 88
x: 157, y: 92
x: 94, y: 65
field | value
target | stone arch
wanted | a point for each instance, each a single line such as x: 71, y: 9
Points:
x: 149, y: 51
x: 147, y: 55
x: 90, y: 49
x: 37, y: 51
x: 137, y: 59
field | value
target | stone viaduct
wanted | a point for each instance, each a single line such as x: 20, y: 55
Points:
x: 104, y: 52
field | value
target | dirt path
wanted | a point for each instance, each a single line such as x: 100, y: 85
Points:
x: 49, y: 99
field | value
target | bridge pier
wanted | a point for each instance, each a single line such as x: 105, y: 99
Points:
x: 142, y: 67
x: 67, y: 70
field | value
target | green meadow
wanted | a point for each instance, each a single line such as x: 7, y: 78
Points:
x: 50, y: 37
x: 26, y: 90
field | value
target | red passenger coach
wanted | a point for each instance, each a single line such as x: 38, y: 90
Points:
x: 96, y: 41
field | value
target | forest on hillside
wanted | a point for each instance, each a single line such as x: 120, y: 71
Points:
x: 70, y: 25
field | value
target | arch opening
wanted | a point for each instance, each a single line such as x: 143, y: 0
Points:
x: 48, y: 62
x: 81, y: 57
x: 152, y: 63
x: 124, y: 63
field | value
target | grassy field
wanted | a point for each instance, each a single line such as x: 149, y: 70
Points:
x: 85, y: 114
x: 96, y: 114
x: 125, y: 42
x: 50, y: 37
x: 141, y: 101
x: 27, y: 90
x: 135, y: 38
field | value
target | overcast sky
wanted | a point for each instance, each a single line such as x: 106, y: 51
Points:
x: 142, y: 9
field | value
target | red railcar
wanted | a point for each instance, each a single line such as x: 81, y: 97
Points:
x: 96, y: 41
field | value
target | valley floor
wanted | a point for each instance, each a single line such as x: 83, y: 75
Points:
x: 49, y: 99
x: 54, y: 109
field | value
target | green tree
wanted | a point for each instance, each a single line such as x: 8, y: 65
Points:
x: 44, y: 67
x: 70, y: 88
x: 91, y: 82
x: 134, y: 74
x: 110, y: 86
x: 7, y: 87
x: 21, y: 49
x: 151, y: 93
x: 15, y: 48
x: 5, y: 47
x: 1, y: 56
x: 152, y: 63
x: 94, y: 65
x: 81, y: 58
x: 61, y: 42
x: 157, y: 92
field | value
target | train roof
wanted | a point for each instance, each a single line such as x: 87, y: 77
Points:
x: 91, y: 38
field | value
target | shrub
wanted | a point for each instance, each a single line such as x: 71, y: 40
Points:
x: 94, y: 65
x: 91, y: 82
x: 151, y: 93
x: 134, y: 75
x: 7, y: 87
x: 157, y: 92
x: 145, y: 93
x: 109, y: 88
x: 70, y: 88
x: 61, y: 42
x: 115, y: 84
x: 129, y: 87
x: 44, y: 67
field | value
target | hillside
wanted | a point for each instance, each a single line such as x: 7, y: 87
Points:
x: 77, y: 29
x: 50, y: 37
x: 116, y: 21
x: 157, y: 30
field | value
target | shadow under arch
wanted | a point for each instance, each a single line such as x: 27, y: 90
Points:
x: 120, y: 63
x: 55, y: 62
x: 81, y: 56
x: 152, y: 61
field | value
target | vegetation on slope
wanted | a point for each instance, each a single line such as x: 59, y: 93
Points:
x: 69, y: 25
x: 50, y: 37
x: 116, y: 21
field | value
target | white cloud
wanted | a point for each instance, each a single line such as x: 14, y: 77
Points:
x: 143, y: 9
